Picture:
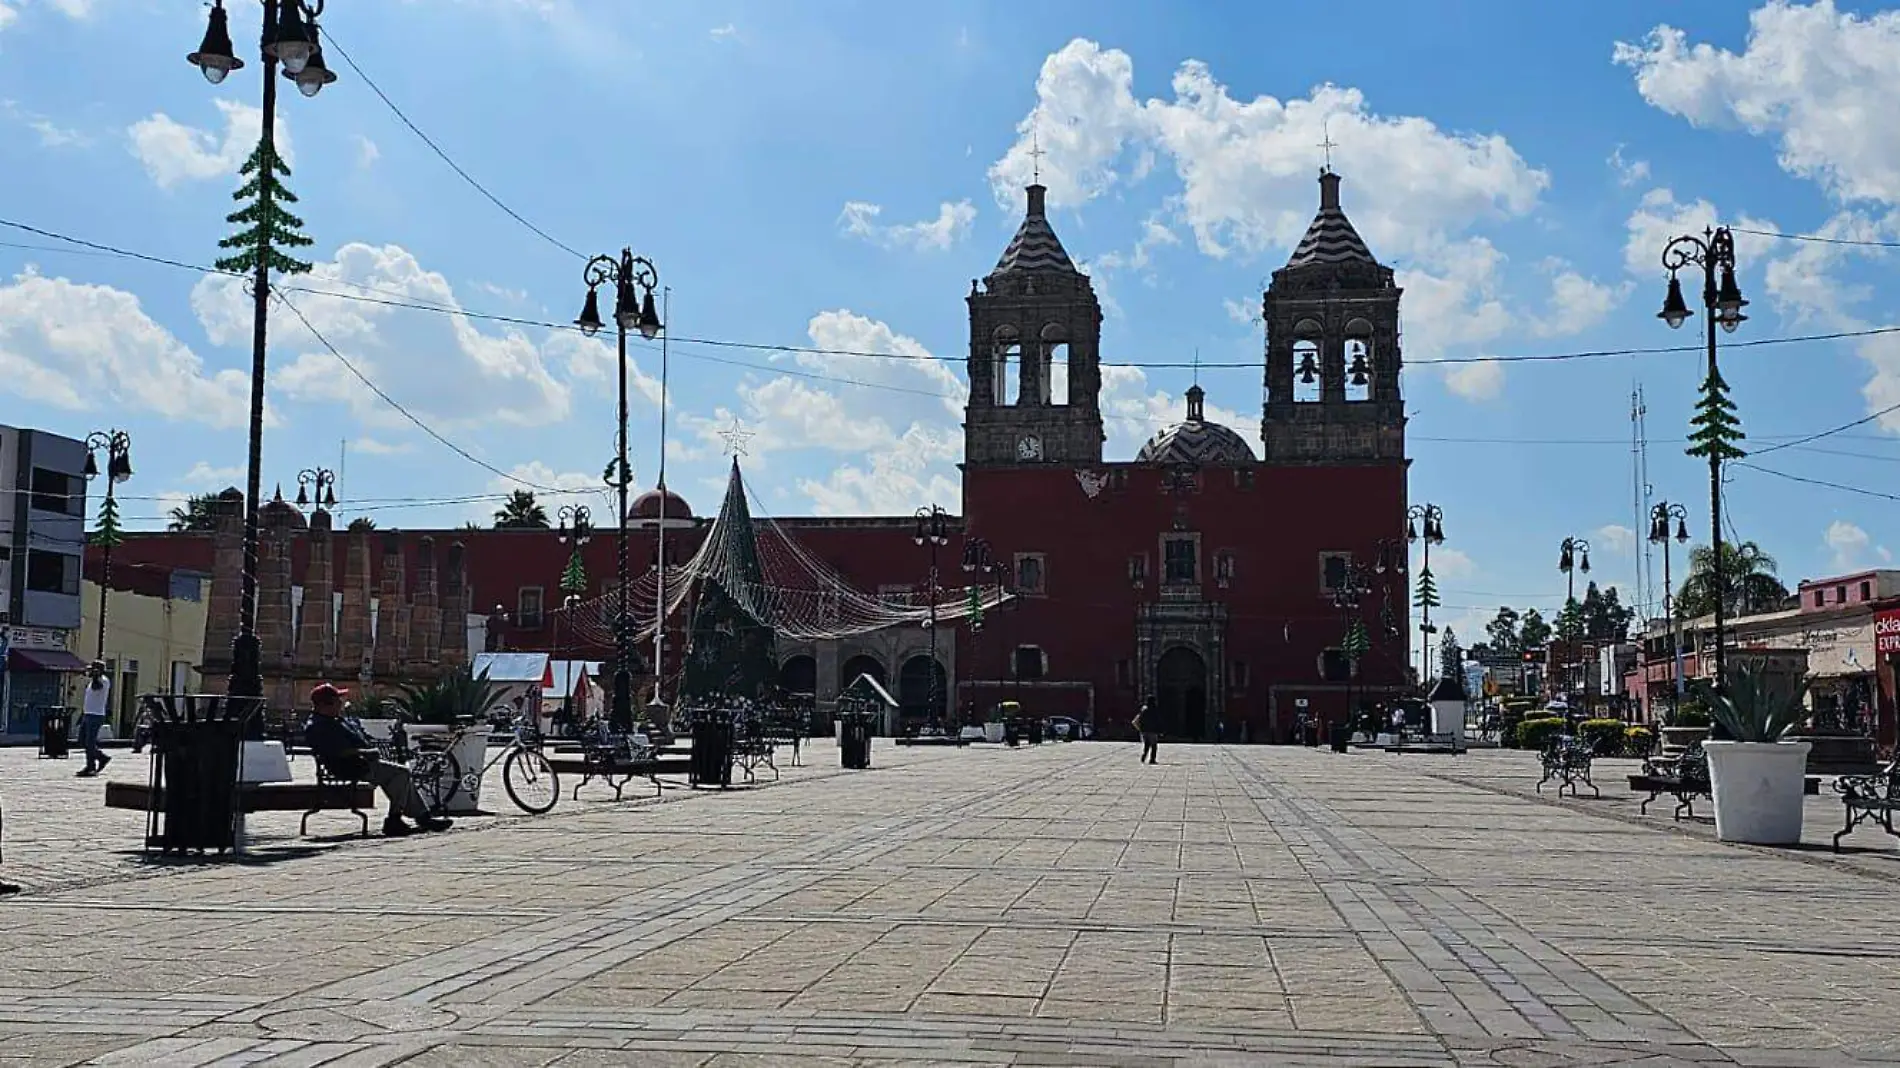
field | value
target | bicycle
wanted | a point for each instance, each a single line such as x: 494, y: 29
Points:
x: 433, y: 769
x: 531, y: 781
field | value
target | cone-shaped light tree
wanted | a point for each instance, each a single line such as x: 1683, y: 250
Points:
x: 268, y: 227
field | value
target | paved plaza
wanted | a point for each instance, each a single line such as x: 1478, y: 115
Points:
x: 1050, y: 905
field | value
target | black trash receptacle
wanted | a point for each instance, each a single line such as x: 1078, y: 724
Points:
x: 854, y: 748
x: 56, y: 725
x: 1341, y: 738
x: 712, y: 751
x: 196, y: 757
x: 1035, y: 732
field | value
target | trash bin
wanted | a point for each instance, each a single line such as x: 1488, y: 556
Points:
x: 712, y: 750
x: 1341, y: 737
x: 854, y: 742
x: 1035, y: 732
x: 56, y: 724
x: 197, y: 740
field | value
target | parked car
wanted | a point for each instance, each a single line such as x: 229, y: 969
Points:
x: 1063, y: 727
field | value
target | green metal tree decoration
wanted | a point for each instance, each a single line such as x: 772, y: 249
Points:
x: 1716, y: 429
x: 976, y: 608
x: 1426, y: 596
x: 574, y: 577
x: 109, y: 534
x: 1358, y: 643
x: 268, y: 228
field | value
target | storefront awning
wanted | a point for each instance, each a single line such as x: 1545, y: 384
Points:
x: 58, y: 660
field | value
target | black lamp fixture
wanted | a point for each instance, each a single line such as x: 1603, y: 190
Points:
x: 325, y: 482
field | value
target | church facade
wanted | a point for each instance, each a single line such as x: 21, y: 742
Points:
x: 1216, y: 577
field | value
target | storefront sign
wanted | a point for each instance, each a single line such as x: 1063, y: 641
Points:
x: 1887, y: 632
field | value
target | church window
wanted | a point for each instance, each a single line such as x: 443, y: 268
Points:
x: 1181, y: 559
x: 1333, y: 666
x: 1008, y: 371
x: 1031, y: 662
x: 1243, y: 478
x: 528, y: 607
x: 1332, y: 571
x: 1118, y: 480
x: 1308, y: 374
x: 1238, y: 675
x: 1030, y: 573
x: 1138, y: 568
x: 1224, y: 568
x: 1056, y: 386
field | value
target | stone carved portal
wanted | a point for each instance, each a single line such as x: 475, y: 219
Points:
x: 1181, y: 693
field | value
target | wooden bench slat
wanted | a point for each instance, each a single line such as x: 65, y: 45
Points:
x: 255, y: 797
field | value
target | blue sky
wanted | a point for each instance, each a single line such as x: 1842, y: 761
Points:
x: 833, y: 174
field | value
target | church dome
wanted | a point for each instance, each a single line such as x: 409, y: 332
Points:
x: 1196, y: 441
x: 656, y: 504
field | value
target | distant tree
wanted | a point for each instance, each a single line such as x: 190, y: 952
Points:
x: 1749, y: 583
x: 1533, y: 632
x: 362, y: 522
x: 1451, y: 656
x: 1570, y: 621
x: 1502, y: 631
x: 521, y: 512
x: 1605, y: 618
x: 198, y: 514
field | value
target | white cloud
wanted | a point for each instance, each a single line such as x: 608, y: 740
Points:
x: 50, y: 133
x: 1628, y: 171
x: 1241, y: 312
x: 1820, y: 81
x: 1616, y: 538
x: 10, y: 9
x: 8, y: 15
x: 859, y: 219
x: 366, y: 151
x: 903, y: 475
x: 1853, y: 547
x: 87, y: 347
x: 374, y: 447
x: 204, y: 475
x: 173, y: 152
x: 724, y: 33
x: 1480, y: 381
x: 1576, y: 304
x: 1448, y: 565
x: 586, y: 490
x: 470, y: 376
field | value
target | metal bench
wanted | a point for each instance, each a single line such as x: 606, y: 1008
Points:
x: 750, y: 754
x: 1567, y: 760
x: 1684, y: 776
x: 617, y: 761
x: 1869, y: 797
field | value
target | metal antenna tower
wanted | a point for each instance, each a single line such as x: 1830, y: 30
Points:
x: 1640, y: 494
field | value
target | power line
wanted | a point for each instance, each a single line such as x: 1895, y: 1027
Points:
x: 338, y: 48
x: 1816, y: 238
x: 812, y: 350
x: 1862, y: 421
x: 406, y: 413
x: 1843, y: 487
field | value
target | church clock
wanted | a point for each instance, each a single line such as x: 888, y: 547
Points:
x: 1029, y: 447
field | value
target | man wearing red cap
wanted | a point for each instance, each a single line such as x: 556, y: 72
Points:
x: 344, y: 750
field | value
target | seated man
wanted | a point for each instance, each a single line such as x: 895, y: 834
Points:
x: 341, y: 747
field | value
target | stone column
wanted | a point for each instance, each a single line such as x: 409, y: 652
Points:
x: 392, y: 613
x: 274, y: 614
x: 316, y: 646
x: 455, y: 602
x: 425, y: 618
x: 353, y: 640
x: 227, y: 584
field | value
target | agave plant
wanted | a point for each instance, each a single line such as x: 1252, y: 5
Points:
x: 452, y: 697
x: 1757, y: 706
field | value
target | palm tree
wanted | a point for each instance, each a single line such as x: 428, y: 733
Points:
x: 521, y: 512
x: 197, y: 515
x: 362, y: 522
x: 1749, y: 583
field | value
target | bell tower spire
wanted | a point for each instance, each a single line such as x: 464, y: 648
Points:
x: 1034, y: 365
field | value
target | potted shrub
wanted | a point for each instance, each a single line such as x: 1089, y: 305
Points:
x: 1756, y: 774
x: 376, y: 713
x: 1688, y: 725
x: 456, y: 698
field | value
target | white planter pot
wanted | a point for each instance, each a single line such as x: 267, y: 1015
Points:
x: 1758, y: 788
x: 470, y: 753
x: 993, y: 732
x: 377, y: 729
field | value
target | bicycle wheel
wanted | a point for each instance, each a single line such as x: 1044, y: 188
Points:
x: 437, y: 775
x: 531, y: 781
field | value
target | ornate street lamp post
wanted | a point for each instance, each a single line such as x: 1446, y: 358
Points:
x: 291, y: 38
x: 324, y: 480
x: 1659, y: 518
x: 1717, y: 431
x: 117, y: 446
x: 1573, y: 556
x: 633, y: 278
x: 1348, y: 597
x: 931, y: 531
x: 979, y: 560
x: 1425, y: 523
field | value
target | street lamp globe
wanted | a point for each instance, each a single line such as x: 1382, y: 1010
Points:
x: 214, y: 57
x: 589, y: 320
x: 649, y: 324
x: 1675, y: 310
x: 291, y: 44
x: 313, y: 75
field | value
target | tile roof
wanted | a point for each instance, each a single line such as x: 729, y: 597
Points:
x: 1331, y: 239
x: 1035, y: 246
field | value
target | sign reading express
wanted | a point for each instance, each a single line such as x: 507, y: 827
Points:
x: 1887, y: 632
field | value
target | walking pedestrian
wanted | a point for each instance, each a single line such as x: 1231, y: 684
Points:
x: 1150, y: 738
x: 93, y: 708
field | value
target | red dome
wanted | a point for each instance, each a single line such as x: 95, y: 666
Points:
x: 649, y: 505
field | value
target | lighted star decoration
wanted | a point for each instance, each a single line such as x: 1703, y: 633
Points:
x: 736, y: 436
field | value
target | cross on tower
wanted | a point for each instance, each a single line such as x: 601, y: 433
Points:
x: 1035, y: 147
x: 1328, y: 145
x: 1197, y: 365
x: 736, y: 437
